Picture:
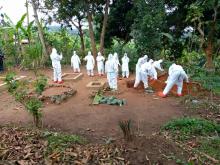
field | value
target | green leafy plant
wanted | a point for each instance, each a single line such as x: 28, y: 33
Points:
x: 187, y: 127
x: 40, y: 84
x: 58, y: 142
x: 33, y: 106
x: 12, y: 84
x: 126, y: 129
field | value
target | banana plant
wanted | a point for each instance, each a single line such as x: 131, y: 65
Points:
x: 15, y: 27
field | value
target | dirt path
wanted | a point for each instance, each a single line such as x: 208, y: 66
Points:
x: 76, y: 115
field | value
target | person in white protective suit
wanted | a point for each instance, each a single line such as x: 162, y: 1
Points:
x: 100, y: 64
x: 90, y: 64
x: 157, y: 65
x: 56, y: 58
x: 148, y: 70
x: 115, y: 57
x: 125, y: 67
x: 111, y: 71
x: 176, y: 76
x: 75, y: 62
x: 138, y: 76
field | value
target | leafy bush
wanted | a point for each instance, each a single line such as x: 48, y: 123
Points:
x: 187, y: 127
x: 12, y: 84
x: 32, y: 56
x: 58, y: 141
x: 33, y: 106
x: 40, y: 84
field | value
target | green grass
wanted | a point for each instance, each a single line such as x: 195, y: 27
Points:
x: 211, y: 146
x: 58, y: 141
x: 187, y: 127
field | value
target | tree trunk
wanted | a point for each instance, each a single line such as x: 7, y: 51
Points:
x: 208, y: 51
x: 81, y: 38
x: 91, y: 34
x: 28, y: 20
x: 102, y: 38
x: 40, y: 30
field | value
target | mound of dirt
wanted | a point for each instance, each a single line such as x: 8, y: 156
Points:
x: 55, y: 90
x: 192, y: 88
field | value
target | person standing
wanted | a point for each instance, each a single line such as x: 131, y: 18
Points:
x: 115, y: 57
x: 111, y: 71
x: 125, y: 66
x: 90, y: 64
x: 100, y: 64
x: 176, y: 76
x: 75, y: 62
x: 1, y: 61
x: 57, y: 73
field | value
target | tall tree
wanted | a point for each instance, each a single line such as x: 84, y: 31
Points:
x: 148, y: 25
x: 120, y: 19
x: 40, y: 30
x: 102, y: 37
x: 68, y: 13
x: 205, y: 15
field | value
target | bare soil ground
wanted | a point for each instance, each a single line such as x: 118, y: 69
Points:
x: 77, y: 115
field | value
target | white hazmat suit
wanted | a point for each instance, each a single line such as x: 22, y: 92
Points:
x: 115, y: 57
x: 148, y: 70
x: 100, y: 64
x: 75, y: 62
x: 157, y: 65
x: 90, y: 64
x: 56, y: 58
x: 138, y: 76
x: 125, y: 67
x: 111, y: 70
x: 176, y: 76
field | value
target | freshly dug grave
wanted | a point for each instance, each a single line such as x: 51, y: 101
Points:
x: 192, y: 88
x: 57, y: 93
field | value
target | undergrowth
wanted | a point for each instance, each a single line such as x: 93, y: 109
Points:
x: 187, y: 127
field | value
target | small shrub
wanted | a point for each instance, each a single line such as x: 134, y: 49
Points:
x: 12, y: 84
x: 40, y: 84
x: 126, y: 129
x: 58, y: 142
x: 187, y: 127
x: 33, y: 106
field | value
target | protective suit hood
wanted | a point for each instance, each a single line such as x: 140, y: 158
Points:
x: 54, y: 51
x: 110, y: 56
x: 89, y: 53
x: 157, y: 64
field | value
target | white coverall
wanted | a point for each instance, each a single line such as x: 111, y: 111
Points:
x: 115, y: 57
x: 111, y: 70
x: 56, y: 58
x: 176, y: 76
x: 90, y: 64
x: 75, y: 62
x: 138, y: 76
x: 125, y: 67
x: 157, y: 65
x: 100, y: 63
x: 148, y: 70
